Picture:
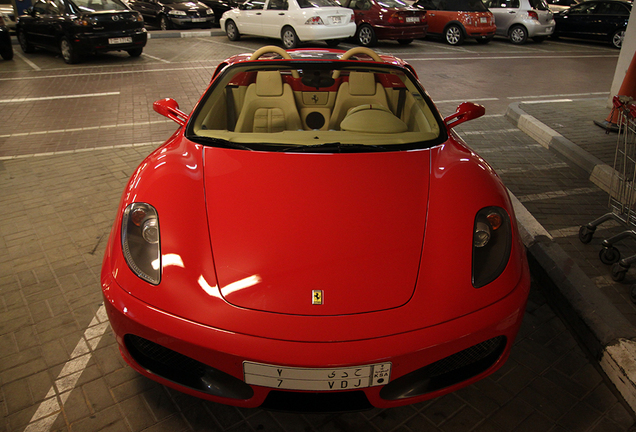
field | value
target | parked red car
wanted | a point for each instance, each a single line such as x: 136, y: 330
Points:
x: 387, y: 19
x: 456, y: 20
x: 315, y: 236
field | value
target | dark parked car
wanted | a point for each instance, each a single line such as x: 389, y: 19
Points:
x: 6, y: 50
x: 601, y: 20
x: 76, y: 27
x: 169, y: 14
x: 387, y: 19
x: 219, y: 7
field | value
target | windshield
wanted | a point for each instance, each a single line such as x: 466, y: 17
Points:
x: 317, y: 3
x: 99, y: 5
x: 392, y: 3
x: 313, y: 105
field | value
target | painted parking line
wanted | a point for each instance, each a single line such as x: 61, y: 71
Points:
x: 84, y: 129
x: 51, y: 407
x: 46, y: 98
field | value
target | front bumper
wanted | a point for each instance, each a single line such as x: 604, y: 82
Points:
x: 147, y: 336
x: 188, y: 21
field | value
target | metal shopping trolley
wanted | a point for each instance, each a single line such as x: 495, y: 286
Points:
x: 622, y: 194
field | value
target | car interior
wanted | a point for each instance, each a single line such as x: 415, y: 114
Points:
x: 277, y: 103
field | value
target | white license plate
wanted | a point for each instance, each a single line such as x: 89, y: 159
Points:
x: 316, y: 379
x: 123, y: 40
x: 483, y: 20
x: 336, y: 20
x: 412, y: 19
x: 198, y: 19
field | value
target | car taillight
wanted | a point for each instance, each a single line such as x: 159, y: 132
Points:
x: 314, y: 21
x: 353, y: 18
x: 533, y: 15
x: 396, y: 18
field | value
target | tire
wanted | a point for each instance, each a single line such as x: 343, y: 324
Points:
x: 618, y: 272
x: 617, y: 38
x: 332, y: 43
x: 164, y: 23
x: 24, y: 43
x: 609, y: 255
x: 68, y: 52
x: 483, y: 40
x: 7, y: 52
x: 135, y: 52
x: 405, y: 41
x: 518, y: 35
x: 586, y: 234
x: 366, y: 36
x: 289, y: 38
x: 454, y: 35
x: 232, y: 31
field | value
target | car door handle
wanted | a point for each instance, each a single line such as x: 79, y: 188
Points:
x: 259, y: 13
x: 511, y: 12
x: 281, y: 13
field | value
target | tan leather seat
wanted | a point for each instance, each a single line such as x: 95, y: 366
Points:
x: 269, y: 106
x: 359, y: 90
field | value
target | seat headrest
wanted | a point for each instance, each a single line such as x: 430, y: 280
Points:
x: 269, y: 83
x: 361, y: 83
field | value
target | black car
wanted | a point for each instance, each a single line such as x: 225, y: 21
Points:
x: 601, y: 20
x: 6, y: 49
x: 169, y: 14
x: 219, y: 7
x: 76, y: 27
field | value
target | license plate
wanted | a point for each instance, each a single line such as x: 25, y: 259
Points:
x: 198, y: 19
x: 412, y: 19
x: 316, y: 379
x: 123, y: 40
x: 336, y: 20
x: 483, y: 20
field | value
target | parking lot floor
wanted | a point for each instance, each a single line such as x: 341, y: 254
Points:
x: 60, y: 368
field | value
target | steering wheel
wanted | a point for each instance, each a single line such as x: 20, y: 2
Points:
x: 357, y: 50
x: 276, y: 50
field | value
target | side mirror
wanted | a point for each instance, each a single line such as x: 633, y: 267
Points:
x: 170, y: 108
x: 465, y: 111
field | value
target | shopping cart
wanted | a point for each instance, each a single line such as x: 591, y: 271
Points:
x: 622, y: 194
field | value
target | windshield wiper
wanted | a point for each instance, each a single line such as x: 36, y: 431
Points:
x: 218, y: 142
x: 334, y: 147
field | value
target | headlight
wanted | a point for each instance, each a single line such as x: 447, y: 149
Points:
x: 491, y: 245
x: 140, y: 241
x: 177, y: 12
x: 209, y: 11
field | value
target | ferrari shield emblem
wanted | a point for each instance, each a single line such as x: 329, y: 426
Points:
x: 316, y: 297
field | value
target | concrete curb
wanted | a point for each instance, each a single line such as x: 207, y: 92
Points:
x: 605, y: 332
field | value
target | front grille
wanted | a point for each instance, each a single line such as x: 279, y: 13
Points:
x: 316, y: 402
x: 446, y: 372
x: 184, y: 370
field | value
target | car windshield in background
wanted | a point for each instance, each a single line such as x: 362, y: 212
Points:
x: 392, y: 3
x: 454, y: 5
x: 99, y: 5
x: 285, y: 106
x: 539, y: 5
x: 317, y: 3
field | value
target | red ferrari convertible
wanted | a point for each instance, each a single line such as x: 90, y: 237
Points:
x: 315, y: 237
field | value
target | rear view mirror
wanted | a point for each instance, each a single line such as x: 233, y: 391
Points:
x: 170, y: 108
x: 465, y: 111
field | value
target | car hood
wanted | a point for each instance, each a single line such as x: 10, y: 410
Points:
x: 286, y: 226
x: 186, y: 6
